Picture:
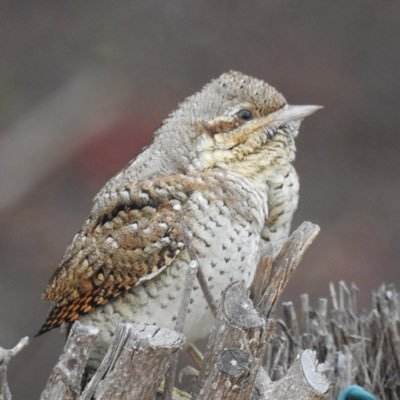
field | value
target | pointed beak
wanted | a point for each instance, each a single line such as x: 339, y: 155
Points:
x: 293, y: 113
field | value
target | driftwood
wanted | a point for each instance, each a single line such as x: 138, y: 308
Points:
x: 304, y: 380
x: 232, y: 364
x: 65, y: 380
x: 235, y: 348
x: 360, y: 347
x: 237, y: 344
x: 137, y: 372
x: 132, y: 368
x: 6, y: 355
x: 273, y: 273
x: 250, y: 353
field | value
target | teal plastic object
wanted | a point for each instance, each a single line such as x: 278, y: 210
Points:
x: 355, y: 392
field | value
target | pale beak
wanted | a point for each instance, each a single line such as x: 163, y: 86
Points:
x: 293, y: 113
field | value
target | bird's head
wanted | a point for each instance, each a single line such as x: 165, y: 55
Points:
x: 239, y: 123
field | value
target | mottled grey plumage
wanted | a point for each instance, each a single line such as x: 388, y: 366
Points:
x: 219, y: 168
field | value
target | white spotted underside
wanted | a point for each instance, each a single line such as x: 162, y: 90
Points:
x: 227, y: 242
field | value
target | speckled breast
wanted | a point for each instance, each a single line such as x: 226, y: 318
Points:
x: 225, y: 226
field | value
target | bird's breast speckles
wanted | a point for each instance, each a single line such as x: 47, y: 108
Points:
x: 283, y: 196
x: 224, y: 224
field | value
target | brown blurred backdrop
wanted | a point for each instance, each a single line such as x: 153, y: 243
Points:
x: 84, y: 84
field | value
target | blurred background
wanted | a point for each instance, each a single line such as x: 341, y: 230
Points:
x: 83, y: 85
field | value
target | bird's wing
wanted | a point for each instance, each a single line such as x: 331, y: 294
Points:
x: 131, y: 236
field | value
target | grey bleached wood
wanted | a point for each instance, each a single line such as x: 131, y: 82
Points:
x: 6, y: 355
x: 235, y: 348
x: 65, y: 380
x: 303, y: 381
x: 270, y: 280
x: 120, y: 337
x: 231, y: 364
x: 140, y: 366
x: 362, y: 347
x: 139, y: 356
x: 263, y: 381
x: 273, y: 273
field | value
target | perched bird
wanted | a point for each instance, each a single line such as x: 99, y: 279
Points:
x: 218, y: 177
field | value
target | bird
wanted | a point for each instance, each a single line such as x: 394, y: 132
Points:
x: 218, y: 180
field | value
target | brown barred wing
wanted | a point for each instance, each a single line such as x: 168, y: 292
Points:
x: 118, y: 247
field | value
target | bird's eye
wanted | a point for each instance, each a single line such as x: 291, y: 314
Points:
x: 245, y: 115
